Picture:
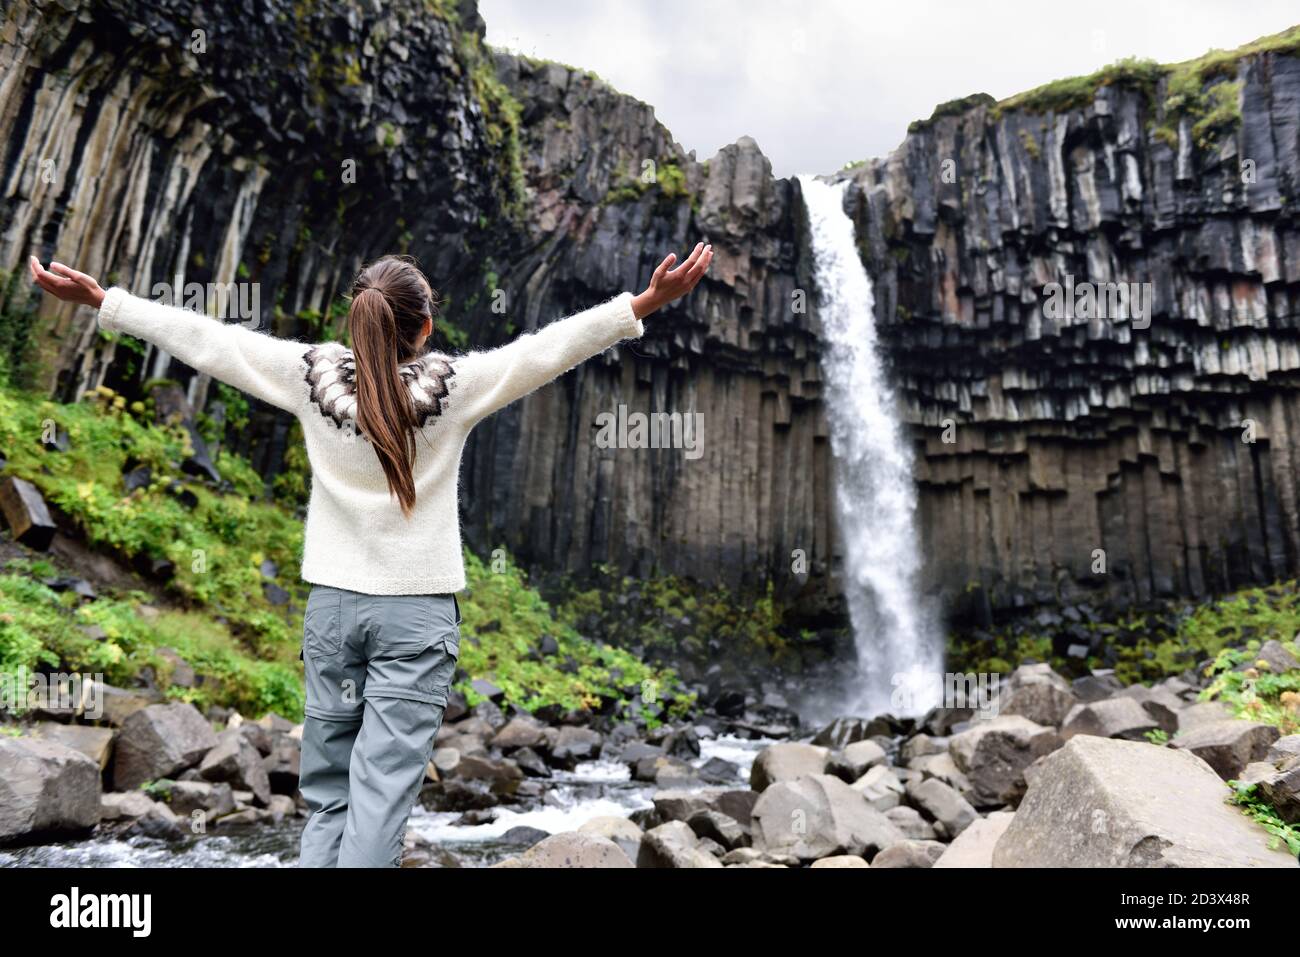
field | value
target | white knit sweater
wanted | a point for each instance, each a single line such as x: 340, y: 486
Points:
x: 356, y: 535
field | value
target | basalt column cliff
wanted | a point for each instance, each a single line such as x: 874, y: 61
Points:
x: 1083, y: 456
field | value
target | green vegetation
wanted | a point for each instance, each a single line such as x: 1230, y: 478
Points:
x: 673, y: 618
x: 18, y: 351
x: 669, y: 179
x: 217, y: 616
x: 501, y: 113
x: 1203, y: 90
x: 952, y: 108
x: 39, y: 626
x: 1254, y: 692
x: 1079, y: 91
x: 505, y: 618
x: 1149, y: 645
x: 1253, y: 806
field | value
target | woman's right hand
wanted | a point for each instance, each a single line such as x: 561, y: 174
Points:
x: 68, y: 285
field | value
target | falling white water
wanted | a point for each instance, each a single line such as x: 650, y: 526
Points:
x: 900, y: 653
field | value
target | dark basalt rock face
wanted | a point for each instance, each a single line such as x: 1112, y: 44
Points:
x: 1069, y: 436
x: 737, y: 351
x: 272, y: 143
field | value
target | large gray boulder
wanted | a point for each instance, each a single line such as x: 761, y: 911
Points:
x: 951, y: 812
x: 1119, y: 717
x: 159, y: 741
x: 881, y: 787
x: 786, y: 762
x: 1228, y: 746
x: 1161, y: 703
x: 974, y: 846
x: 673, y: 845
x: 571, y: 849
x: 1104, y: 802
x: 994, y: 753
x: 909, y: 854
x: 94, y: 742
x: 46, y: 789
x: 1038, y: 693
x: 818, y: 816
x: 620, y: 830
x: 237, y: 762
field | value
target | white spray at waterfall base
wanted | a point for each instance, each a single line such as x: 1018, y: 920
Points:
x: 900, y: 652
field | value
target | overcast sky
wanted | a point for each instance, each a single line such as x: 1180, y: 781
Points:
x: 820, y: 83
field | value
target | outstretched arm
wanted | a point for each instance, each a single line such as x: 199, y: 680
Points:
x: 264, y: 366
x: 486, y: 381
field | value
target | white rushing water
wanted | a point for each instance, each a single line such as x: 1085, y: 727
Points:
x: 900, y: 653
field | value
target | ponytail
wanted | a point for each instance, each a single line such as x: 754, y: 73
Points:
x: 385, y: 411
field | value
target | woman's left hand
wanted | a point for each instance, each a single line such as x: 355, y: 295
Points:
x: 67, y: 284
x: 669, y: 284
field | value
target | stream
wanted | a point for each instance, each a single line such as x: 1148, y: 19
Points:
x: 592, y: 789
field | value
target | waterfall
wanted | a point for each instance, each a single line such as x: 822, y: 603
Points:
x: 900, y: 652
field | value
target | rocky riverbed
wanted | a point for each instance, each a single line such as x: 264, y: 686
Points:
x: 1046, y: 772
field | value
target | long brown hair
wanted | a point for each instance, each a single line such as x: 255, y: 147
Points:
x: 391, y: 299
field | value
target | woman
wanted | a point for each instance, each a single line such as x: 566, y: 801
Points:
x: 382, y: 541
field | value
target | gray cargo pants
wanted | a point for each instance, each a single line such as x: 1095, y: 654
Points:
x: 378, y: 668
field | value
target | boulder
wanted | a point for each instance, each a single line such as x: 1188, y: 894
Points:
x: 951, y: 812
x: 993, y: 755
x: 47, y: 789
x: 673, y: 845
x: 943, y: 767
x: 159, y: 741
x: 919, y: 746
x: 1038, y: 693
x: 818, y: 816
x: 1105, y: 802
x: 26, y: 513
x: 1118, y: 717
x: 115, y: 705
x: 518, y: 733
x: 620, y: 830
x: 910, y: 853
x: 1273, y: 657
x: 1281, y: 788
x: 785, y: 762
x: 120, y: 805
x: 1160, y: 703
x: 1228, y: 746
x: 666, y: 771
x: 881, y: 787
x: 1283, y: 748
x: 722, y: 829
x: 1202, y: 712
x: 974, y: 846
x: 911, y: 823
x: 839, y: 860
x: 574, y: 745
x: 1102, y: 683
x: 94, y: 742
x: 211, y: 799
x: 572, y: 849
x: 853, y: 762
x: 237, y: 762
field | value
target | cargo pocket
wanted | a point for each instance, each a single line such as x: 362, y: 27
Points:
x: 322, y: 631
